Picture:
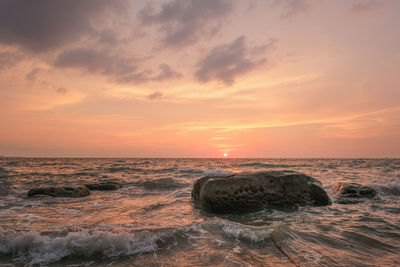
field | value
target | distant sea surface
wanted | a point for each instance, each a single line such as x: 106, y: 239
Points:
x: 151, y: 220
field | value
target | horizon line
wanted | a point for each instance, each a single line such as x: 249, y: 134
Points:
x: 85, y: 157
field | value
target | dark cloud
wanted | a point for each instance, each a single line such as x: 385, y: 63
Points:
x: 225, y: 62
x: 96, y: 61
x: 183, y: 22
x: 42, y: 25
x: 8, y: 59
x: 119, y: 69
x: 166, y: 73
x: 154, y: 96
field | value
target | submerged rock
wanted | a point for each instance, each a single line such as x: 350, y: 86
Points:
x: 104, y: 186
x: 66, y: 191
x: 351, y: 193
x: 161, y: 184
x: 252, y: 191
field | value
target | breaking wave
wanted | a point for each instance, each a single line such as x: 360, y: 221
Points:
x: 34, y: 248
x: 246, y: 233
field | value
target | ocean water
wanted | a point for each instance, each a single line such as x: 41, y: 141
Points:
x: 151, y: 220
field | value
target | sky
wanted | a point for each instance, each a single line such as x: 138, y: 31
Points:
x: 200, y: 78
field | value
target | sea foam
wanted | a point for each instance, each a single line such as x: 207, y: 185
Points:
x: 38, y: 249
x: 245, y: 232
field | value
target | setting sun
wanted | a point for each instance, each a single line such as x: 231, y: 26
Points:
x: 225, y: 154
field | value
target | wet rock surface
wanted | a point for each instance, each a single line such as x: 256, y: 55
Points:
x: 66, y: 191
x: 104, y: 186
x: 252, y: 191
x: 351, y: 193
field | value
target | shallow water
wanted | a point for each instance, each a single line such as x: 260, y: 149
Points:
x: 151, y: 220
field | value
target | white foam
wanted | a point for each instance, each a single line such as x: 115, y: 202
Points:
x: 246, y: 232
x: 37, y: 249
x: 237, y: 249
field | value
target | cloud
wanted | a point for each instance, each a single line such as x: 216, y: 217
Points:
x: 8, y: 59
x: 61, y: 90
x: 32, y: 74
x: 154, y: 96
x: 166, y: 73
x: 119, y: 69
x: 95, y: 61
x: 184, y: 22
x: 43, y: 25
x: 363, y: 6
x: 228, y: 61
x: 291, y: 8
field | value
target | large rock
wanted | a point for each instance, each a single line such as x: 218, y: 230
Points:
x: 103, y: 186
x: 351, y: 193
x: 252, y: 191
x: 66, y: 191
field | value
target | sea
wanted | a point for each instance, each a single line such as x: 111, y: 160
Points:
x: 152, y: 221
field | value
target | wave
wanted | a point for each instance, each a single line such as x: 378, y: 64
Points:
x: 206, y: 172
x: 50, y: 164
x: 161, y: 184
x: 169, y: 170
x: 392, y: 189
x: 163, y: 170
x: 47, y: 174
x: 120, y: 169
x: 83, y: 173
x: 269, y: 165
x: 12, y: 163
x: 247, y: 233
x: 4, y: 170
x: 115, y: 169
x: 141, y: 170
x: 34, y: 248
x: 216, y: 172
x: 191, y: 171
x: 156, y: 206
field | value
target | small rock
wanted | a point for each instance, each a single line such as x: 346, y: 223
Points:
x: 352, y: 193
x: 66, y: 191
x: 105, y: 186
x: 160, y: 184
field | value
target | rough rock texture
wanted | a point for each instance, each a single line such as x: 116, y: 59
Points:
x: 66, y: 191
x: 251, y: 191
x: 351, y: 193
x: 105, y: 186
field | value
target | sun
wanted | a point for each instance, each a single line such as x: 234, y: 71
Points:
x: 225, y: 154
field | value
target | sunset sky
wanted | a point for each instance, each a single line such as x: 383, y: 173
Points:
x: 200, y: 78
